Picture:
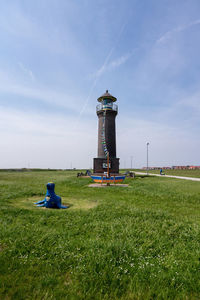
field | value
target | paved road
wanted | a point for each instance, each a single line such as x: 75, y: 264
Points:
x: 171, y: 176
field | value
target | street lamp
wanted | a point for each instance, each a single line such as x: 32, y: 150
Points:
x: 131, y: 162
x: 147, y: 159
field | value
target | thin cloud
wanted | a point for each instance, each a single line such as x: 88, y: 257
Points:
x: 112, y: 65
x: 103, y: 67
x: 101, y: 70
x: 191, y: 102
x: 60, y: 99
x: 16, y: 23
x: 26, y: 71
x: 120, y: 61
x: 165, y: 37
x: 15, y: 120
x: 37, y: 138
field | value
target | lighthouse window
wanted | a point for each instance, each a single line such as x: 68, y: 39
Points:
x: 106, y: 101
x: 107, y: 104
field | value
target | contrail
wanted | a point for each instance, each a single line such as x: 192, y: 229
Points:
x: 167, y: 35
x: 100, y: 71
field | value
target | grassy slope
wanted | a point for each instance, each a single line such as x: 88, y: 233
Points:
x: 186, y: 173
x: 140, y: 242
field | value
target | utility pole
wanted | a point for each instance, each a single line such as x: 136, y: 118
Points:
x: 147, y: 159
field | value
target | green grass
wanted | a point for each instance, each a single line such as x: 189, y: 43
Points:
x: 186, y: 173
x: 140, y: 242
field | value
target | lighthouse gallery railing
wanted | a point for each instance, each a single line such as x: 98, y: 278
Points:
x: 110, y: 106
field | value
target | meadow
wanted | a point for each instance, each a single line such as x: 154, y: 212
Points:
x: 135, y: 242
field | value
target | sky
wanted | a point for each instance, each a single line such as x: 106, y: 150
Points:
x: 58, y: 56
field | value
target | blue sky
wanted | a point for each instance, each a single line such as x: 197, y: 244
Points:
x: 58, y: 57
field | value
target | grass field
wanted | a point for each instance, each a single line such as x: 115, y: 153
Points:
x: 185, y: 173
x: 139, y: 242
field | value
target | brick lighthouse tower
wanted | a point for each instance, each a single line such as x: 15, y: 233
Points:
x: 106, y: 112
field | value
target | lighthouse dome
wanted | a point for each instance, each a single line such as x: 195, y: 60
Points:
x: 107, y: 95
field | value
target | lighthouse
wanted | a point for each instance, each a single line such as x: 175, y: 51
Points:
x: 106, y: 111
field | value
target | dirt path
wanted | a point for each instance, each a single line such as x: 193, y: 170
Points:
x: 171, y: 176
